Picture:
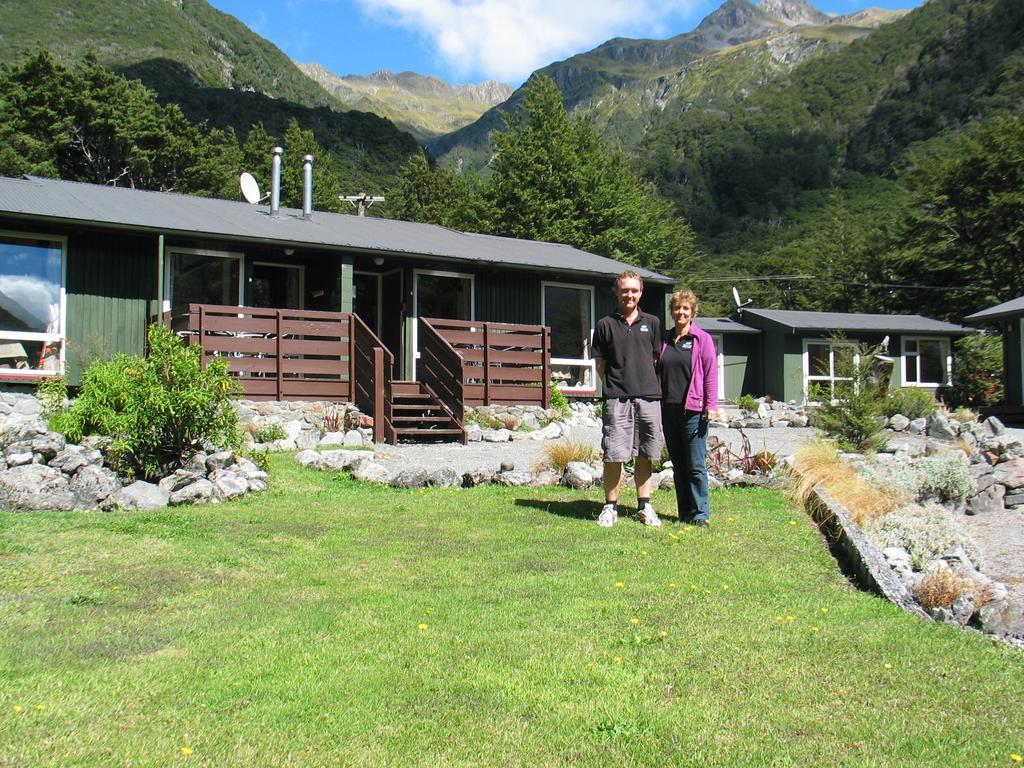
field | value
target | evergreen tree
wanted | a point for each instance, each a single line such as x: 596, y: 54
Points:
x: 436, y: 196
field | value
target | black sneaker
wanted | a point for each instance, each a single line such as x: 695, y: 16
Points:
x: 700, y: 523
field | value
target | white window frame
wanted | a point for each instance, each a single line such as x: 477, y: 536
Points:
x: 416, y: 304
x: 60, y: 337
x: 169, y: 252
x: 915, y: 358
x: 588, y: 359
x: 808, y: 378
x: 719, y: 340
x: 282, y: 265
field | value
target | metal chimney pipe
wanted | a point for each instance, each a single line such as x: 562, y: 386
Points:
x: 307, y: 187
x: 275, y: 181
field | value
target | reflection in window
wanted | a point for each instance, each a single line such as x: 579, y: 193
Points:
x: 925, y: 361
x: 568, y: 312
x: 828, y: 363
x: 202, y: 278
x: 31, y: 325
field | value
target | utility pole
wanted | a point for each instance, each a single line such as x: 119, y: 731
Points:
x: 362, y: 201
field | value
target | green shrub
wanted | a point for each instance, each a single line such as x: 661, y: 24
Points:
x: 911, y: 402
x: 977, y: 371
x: 943, y: 476
x: 925, y: 532
x: 853, y: 412
x: 747, y: 403
x: 559, y: 402
x: 268, y: 433
x: 159, y: 410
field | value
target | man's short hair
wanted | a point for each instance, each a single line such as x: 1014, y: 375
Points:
x: 684, y: 297
x: 628, y: 274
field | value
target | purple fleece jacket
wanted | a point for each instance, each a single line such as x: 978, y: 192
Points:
x: 703, y: 392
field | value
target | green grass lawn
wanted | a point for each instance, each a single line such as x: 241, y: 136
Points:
x: 332, y: 623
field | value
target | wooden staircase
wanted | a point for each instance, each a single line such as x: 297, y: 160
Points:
x: 418, y: 416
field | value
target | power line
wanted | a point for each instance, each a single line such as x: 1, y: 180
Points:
x: 790, y: 278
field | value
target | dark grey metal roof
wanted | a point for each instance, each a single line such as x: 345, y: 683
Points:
x: 798, y: 320
x: 52, y: 200
x: 998, y: 312
x: 723, y: 325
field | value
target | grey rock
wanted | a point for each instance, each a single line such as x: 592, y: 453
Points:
x: 514, y: 479
x: 666, y: 481
x: 763, y: 411
x: 69, y: 460
x: 332, y: 438
x: 228, y: 484
x: 473, y: 433
x: 507, y: 466
x: 798, y: 420
x: 896, y: 556
x: 899, y: 423
x: 372, y: 472
x: 49, y: 445
x: 983, y: 481
x: 138, y: 495
x: 917, y: 426
x: 34, y: 487
x: 995, y: 426
x: 941, y: 427
x: 178, y: 480
x: 308, y: 459
x: 353, y: 438
x: 1002, y: 618
x: 962, y: 609
x: 751, y: 424
x: 340, y: 459
x: 199, y: 492
x: 478, y: 476
x: 196, y: 463
x: 1013, y: 500
x: 578, y: 475
x: 20, y: 459
x: 92, y: 485
x: 940, y: 614
x: 219, y: 460
x: 530, y: 421
x: 414, y: 477
x: 1009, y: 473
x: 545, y: 478
x: 987, y: 501
x: 309, y: 438
x: 446, y: 477
x: 23, y: 432
x: 496, y: 436
x: 248, y: 468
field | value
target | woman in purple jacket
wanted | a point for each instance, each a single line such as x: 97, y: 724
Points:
x: 688, y: 368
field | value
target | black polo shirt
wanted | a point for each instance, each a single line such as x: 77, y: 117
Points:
x: 628, y: 352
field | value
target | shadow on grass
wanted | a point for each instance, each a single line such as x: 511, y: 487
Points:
x: 580, y: 509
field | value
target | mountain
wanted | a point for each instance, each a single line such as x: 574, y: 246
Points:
x: 212, y: 66
x: 424, y: 106
x: 624, y: 83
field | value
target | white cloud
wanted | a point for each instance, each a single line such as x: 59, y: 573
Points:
x: 509, y: 39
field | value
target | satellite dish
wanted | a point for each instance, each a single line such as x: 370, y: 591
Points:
x: 736, y: 297
x: 250, y: 189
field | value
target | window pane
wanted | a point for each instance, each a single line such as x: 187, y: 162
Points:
x: 567, y: 313
x: 443, y: 296
x: 910, y: 369
x: 201, y: 279
x: 25, y: 355
x: 818, y: 360
x: 30, y: 285
x: 933, y: 361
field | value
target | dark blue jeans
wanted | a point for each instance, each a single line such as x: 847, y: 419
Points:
x: 686, y: 434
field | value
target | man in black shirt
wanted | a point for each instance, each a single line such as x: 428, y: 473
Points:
x: 626, y: 345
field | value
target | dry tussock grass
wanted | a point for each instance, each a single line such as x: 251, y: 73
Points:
x: 817, y: 465
x: 557, y: 455
x: 961, y: 414
x: 941, y: 588
x: 508, y: 421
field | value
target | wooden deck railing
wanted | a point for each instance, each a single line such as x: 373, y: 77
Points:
x: 276, y: 354
x: 374, y: 370
x: 440, y: 370
x: 502, y: 363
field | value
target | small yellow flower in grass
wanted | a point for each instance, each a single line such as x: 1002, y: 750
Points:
x: 634, y: 620
x: 672, y: 585
x: 617, y: 660
x: 780, y: 618
x: 430, y: 610
x: 643, y: 552
x: 185, y: 751
x: 888, y: 666
x: 693, y: 586
x: 815, y: 629
x: 790, y: 617
x: 422, y: 626
x: 40, y: 707
x: 792, y: 522
x: 673, y: 536
x: 17, y: 708
x: 619, y: 585
x: 663, y: 633
x: 824, y: 610
x: 726, y: 587
x: 1016, y: 758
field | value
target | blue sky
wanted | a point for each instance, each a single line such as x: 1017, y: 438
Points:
x: 464, y: 41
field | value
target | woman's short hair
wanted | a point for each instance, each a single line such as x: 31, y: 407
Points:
x: 684, y: 297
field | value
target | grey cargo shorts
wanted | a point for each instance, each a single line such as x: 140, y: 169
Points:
x: 631, y: 427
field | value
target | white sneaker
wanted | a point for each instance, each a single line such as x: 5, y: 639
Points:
x: 608, y: 516
x: 648, y: 516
